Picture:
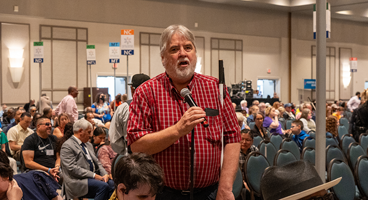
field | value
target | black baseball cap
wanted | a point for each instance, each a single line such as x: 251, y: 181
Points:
x: 138, y: 79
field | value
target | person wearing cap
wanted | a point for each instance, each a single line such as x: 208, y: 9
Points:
x: 288, y: 114
x: 118, y: 127
x: 161, y: 122
x: 297, y: 180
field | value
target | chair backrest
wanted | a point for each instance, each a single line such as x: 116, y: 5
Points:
x: 345, y: 190
x: 276, y: 141
x: 344, y: 122
x: 283, y: 122
x: 361, y: 174
x: 271, y: 150
x: 283, y: 157
x: 290, y: 145
x: 255, y: 165
x: 332, y: 152
x: 363, y: 141
x: 330, y: 141
x: 309, y: 154
x: 309, y: 142
x: 268, y: 133
x: 346, y: 140
x: 342, y: 131
x: 354, y: 152
x: 257, y: 140
x: 312, y: 134
x: 288, y: 123
x: 251, y: 125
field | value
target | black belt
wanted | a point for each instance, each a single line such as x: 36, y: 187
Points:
x: 187, y: 192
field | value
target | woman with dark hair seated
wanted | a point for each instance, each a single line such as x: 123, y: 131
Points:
x: 34, y: 120
x: 258, y: 129
x: 63, y: 119
x: 102, y: 109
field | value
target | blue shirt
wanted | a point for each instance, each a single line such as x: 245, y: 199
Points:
x: 250, y: 119
x: 298, y: 139
x: 10, y: 126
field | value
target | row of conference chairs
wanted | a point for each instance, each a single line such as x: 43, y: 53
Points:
x: 352, y: 165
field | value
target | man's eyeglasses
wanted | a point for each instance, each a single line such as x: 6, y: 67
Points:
x: 46, y: 124
x: 33, y: 110
x: 292, y: 126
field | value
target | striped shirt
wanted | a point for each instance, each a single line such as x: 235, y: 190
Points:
x: 157, y: 105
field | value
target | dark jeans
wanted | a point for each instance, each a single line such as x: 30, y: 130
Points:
x: 99, y: 190
x: 208, y: 193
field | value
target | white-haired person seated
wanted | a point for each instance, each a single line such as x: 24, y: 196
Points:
x: 84, y: 175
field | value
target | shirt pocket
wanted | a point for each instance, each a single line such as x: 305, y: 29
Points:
x: 214, y: 128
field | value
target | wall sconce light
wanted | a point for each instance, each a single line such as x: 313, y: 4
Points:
x: 346, y: 74
x: 16, y: 64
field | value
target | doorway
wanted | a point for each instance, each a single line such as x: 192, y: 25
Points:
x: 108, y: 82
x: 267, y: 87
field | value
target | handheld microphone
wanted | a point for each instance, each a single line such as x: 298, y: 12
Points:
x: 187, y: 95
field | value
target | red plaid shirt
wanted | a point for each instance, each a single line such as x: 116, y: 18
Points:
x: 157, y: 105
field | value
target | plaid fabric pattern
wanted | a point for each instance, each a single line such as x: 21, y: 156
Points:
x: 157, y: 105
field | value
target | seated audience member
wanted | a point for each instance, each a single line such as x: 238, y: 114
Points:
x: 2, y: 111
x: 137, y: 176
x: 47, y: 112
x: 298, y: 134
x: 262, y: 107
x: 244, y: 105
x: 38, y: 149
x: 33, y: 110
x: 276, y: 105
x: 9, y: 188
x: 18, y: 134
x: 33, y: 125
x: 288, y: 114
x: 297, y: 180
x: 240, y: 118
x: 258, y: 129
x: 339, y: 113
x: 308, y: 123
x: 256, y: 103
x: 271, y: 122
x: 328, y: 111
x: 359, y: 118
x: 17, y: 115
x: 32, y: 185
x: 89, y: 117
x: 98, y: 138
x: 102, y: 109
x: 106, y: 155
x: 331, y: 127
x: 68, y: 132
x: 246, y: 148
x: 3, y: 141
x: 281, y: 112
x: 9, y: 118
x: 79, y: 166
x: 63, y: 119
x: 28, y: 105
x: 96, y: 122
x: 116, y: 103
x: 253, y: 110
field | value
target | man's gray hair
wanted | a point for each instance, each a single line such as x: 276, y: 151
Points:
x: 170, y: 31
x: 81, y: 124
x: 243, y: 101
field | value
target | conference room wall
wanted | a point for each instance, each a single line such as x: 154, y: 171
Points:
x: 344, y: 34
x: 268, y: 52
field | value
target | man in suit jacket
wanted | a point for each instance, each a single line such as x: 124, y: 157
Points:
x: 80, y: 166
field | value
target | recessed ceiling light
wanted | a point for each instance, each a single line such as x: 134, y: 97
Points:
x: 345, y: 12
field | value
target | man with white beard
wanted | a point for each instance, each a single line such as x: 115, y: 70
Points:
x: 160, y: 123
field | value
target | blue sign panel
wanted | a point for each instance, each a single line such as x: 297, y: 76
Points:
x: 114, y: 60
x: 38, y: 60
x: 127, y: 52
x: 91, y: 62
x: 310, y: 84
x: 114, y: 44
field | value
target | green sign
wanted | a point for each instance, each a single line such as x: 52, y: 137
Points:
x: 37, y: 43
x: 90, y: 46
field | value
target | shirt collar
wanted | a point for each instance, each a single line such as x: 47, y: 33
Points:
x: 78, y: 140
x: 189, y: 86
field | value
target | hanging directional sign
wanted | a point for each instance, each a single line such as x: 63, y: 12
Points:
x: 114, y: 52
x: 353, y: 64
x: 38, y: 52
x: 127, y: 42
x: 91, y: 55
